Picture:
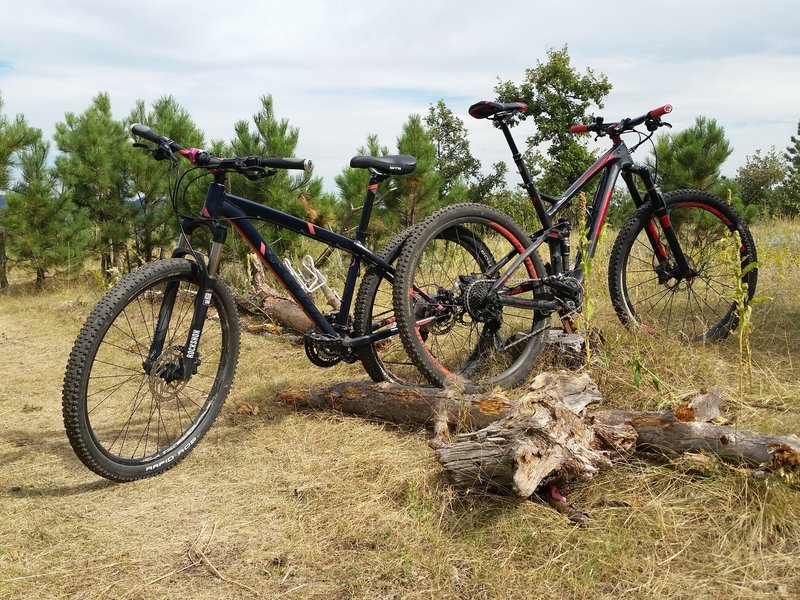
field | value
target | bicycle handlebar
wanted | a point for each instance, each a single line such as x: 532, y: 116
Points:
x: 652, y: 118
x: 200, y: 158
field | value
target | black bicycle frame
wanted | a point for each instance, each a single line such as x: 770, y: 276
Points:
x: 222, y: 206
x: 238, y: 212
x: 617, y: 160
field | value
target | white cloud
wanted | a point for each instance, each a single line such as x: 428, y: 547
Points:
x: 339, y: 71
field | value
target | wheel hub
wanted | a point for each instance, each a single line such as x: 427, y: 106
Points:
x: 166, y: 376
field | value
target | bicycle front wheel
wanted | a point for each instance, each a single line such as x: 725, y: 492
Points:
x: 649, y: 292
x: 455, y: 328
x: 129, y: 414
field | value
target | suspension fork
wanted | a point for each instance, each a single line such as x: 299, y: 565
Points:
x: 208, y: 274
x: 656, y: 199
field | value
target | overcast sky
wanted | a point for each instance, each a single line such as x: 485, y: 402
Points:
x: 342, y: 70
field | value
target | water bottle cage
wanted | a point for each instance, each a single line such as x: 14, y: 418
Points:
x: 309, y: 276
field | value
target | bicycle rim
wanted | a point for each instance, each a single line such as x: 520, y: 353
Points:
x: 703, y: 307
x: 134, y: 416
x: 461, y: 333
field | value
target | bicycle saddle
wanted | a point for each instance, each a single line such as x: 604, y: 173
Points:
x: 487, y: 108
x: 400, y: 164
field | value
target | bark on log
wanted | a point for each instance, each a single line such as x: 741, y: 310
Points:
x: 664, y: 433
x: 548, y: 435
x: 406, y: 405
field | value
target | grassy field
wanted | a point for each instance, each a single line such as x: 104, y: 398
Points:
x: 319, y: 505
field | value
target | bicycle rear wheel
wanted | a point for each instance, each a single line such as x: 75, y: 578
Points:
x: 455, y: 330
x: 125, y: 420
x: 387, y: 359
x: 651, y: 294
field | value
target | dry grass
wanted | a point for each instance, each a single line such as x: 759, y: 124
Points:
x: 317, y: 505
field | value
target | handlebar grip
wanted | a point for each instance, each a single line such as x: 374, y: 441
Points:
x: 661, y: 110
x: 301, y: 164
x: 145, y: 132
x: 579, y: 129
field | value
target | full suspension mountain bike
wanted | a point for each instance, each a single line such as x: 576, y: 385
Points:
x: 154, y: 362
x: 677, y: 268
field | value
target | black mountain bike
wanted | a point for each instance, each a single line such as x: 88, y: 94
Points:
x: 152, y: 365
x: 677, y: 266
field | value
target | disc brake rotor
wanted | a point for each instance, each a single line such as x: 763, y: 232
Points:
x: 166, y: 380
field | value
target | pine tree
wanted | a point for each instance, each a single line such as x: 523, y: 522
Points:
x: 352, y: 186
x: 49, y: 230
x: 94, y: 167
x: 692, y: 158
x: 155, y: 223
x: 789, y: 191
x: 297, y: 193
x: 417, y: 194
x: 14, y: 136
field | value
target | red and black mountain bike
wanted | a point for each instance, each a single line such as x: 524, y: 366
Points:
x: 677, y: 268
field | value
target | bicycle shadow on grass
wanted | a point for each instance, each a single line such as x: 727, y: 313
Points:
x: 20, y: 491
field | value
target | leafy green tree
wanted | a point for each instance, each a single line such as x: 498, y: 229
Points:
x: 759, y: 178
x: 155, y: 224
x: 557, y: 96
x: 299, y: 194
x: 454, y: 161
x: 14, y: 136
x: 49, y: 230
x: 94, y: 167
x: 692, y: 158
x: 417, y: 193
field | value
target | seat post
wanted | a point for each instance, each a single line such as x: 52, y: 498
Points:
x: 369, y: 200
x: 527, y: 180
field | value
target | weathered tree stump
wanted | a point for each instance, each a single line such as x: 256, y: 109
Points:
x: 550, y: 434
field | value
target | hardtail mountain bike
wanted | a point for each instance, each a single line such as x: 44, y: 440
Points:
x: 677, y: 267
x: 153, y: 363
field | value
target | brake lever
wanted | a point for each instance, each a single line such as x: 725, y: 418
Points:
x: 597, y: 124
x: 654, y: 123
x: 164, y: 152
x: 256, y: 173
x: 160, y: 152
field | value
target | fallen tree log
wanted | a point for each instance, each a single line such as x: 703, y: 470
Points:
x: 549, y: 435
x: 664, y: 433
x: 281, y: 308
